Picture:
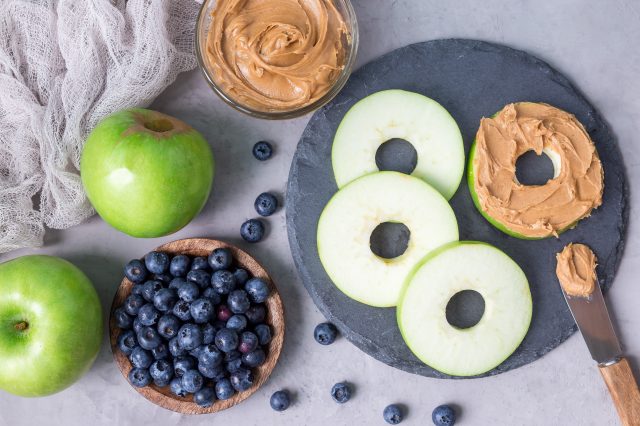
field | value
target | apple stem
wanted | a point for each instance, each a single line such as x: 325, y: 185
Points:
x: 22, y: 326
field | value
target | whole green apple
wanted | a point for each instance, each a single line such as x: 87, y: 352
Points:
x: 147, y: 174
x: 50, y: 325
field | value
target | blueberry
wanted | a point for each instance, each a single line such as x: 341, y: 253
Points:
x: 148, y: 314
x: 325, y: 333
x: 168, y: 326
x: 162, y: 371
x: 127, y: 341
x: 176, y: 387
x: 241, y: 276
x: 208, y: 333
x: 341, y: 392
x: 140, y: 358
x: 138, y: 289
x: 161, y: 383
x: 223, y: 313
x: 224, y: 390
x: 263, y: 331
x: 123, y: 320
x: 237, y: 322
x: 443, y: 415
x: 200, y: 277
x: 133, y: 303
x: 280, y: 400
x: 160, y: 352
x: 148, y: 338
x: 189, y: 336
x: 179, y: 265
x: 223, y: 281
x: 176, y: 283
x: 248, y: 342
x: 139, y: 377
x: 156, y: 262
x: 226, y: 340
x: 242, y: 379
x: 233, y: 365
x: 192, y: 381
x: 252, y: 230
x: 256, y: 314
x: 266, y: 204
x: 150, y: 288
x: 205, y: 397
x: 238, y: 301
x: 182, y: 364
x: 188, y: 291
x: 175, y: 349
x: 211, y: 294
x: 220, y: 258
x: 202, y: 310
x: 262, y: 150
x: 165, y: 278
x: 135, y: 271
x: 182, y: 310
x: 165, y: 299
x: 392, y: 414
x: 199, y: 263
x: 232, y: 355
x: 214, y: 372
x: 210, y: 355
x: 258, y: 290
x: 137, y: 325
x: 254, y: 358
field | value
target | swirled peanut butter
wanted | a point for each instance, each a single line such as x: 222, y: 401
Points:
x: 536, y: 211
x: 276, y: 55
x: 576, y: 270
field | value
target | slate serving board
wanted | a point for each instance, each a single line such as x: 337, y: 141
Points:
x: 471, y: 79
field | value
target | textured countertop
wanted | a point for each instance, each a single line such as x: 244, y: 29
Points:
x: 594, y: 43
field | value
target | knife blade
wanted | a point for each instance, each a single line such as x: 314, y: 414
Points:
x: 592, y: 317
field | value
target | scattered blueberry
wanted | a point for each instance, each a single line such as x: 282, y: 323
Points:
x: 149, y: 338
x: 202, y: 310
x: 205, y: 397
x: 182, y: 310
x: 263, y: 331
x: 160, y: 352
x: 182, y: 364
x: 223, y: 313
x: 148, y: 314
x: 220, y: 258
x: 242, y: 379
x: 256, y: 314
x: 179, y: 265
x: 192, y: 381
x: 161, y: 370
x: 165, y: 299
x: 127, y: 341
x: 176, y: 387
x: 150, y: 288
x: 133, y: 303
x: 168, y: 326
x: 262, y: 150
x: 266, y: 204
x: 223, y: 281
x: 210, y: 355
x: 139, y: 377
x: 392, y: 414
x: 200, y: 277
x: 156, y: 262
x: 238, y: 301
x: 252, y: 230
x: 208, y: 333
x: 188, y: 291
x: 258, y: 290
x: 189, y: 336
x: 241, y: 276
x: 237, y: 322
x: 224, y: 390
x: 123, y: 320
x: 226, y: 340
x: 254, y: 359
x: 199, y: 263
x: 248, y: 342
x: 175, y: 349
x: 325, y: 333
x: 280, y: 400
x: 341, y: 392
x: 443, y: 415
x: 140, y: 358
x: 135, y: 271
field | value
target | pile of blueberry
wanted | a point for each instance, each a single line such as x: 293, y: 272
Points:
x: 196, y: 325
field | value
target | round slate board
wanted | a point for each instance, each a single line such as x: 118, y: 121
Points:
x: 471, y: 79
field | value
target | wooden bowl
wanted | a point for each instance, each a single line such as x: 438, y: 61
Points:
x: 275, y: 318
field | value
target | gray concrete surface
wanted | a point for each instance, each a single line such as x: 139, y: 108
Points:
x: 595, y: 43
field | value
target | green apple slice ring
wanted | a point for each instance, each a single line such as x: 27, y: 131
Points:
x: 447, y: 271
x: 392, y: 114
x: 346, y: 224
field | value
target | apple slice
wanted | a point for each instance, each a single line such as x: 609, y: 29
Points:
x: 346, y: 224
x: 447, y: 271
x: 392, y: 114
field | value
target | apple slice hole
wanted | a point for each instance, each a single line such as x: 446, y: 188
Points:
x: 159, y: 125
x: 21, y: 326
x: 397, y: 155
x: 465, y: 309
x: 534, y: 169
x: 389, y: 240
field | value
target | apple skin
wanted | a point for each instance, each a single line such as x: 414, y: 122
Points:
x: 147, y: 174
x: 64, y: 332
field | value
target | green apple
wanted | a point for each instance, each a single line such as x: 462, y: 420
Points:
x: 392, y: 114
x: 452, y: 268
x: 147, y: 174
x: 50, y: 325
x: 348, y: 220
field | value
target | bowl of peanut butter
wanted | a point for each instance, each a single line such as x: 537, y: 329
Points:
x: 276, y: 59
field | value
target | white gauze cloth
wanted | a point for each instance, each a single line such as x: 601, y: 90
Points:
x: 64, y: 65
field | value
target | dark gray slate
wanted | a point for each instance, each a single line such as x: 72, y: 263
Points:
x: 471, y: 79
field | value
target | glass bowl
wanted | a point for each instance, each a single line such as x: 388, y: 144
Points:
x: 202, y: 29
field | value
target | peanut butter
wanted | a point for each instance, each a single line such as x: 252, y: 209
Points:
x: 536, y: 211
x: 576, y: 270
x: 276, y: 55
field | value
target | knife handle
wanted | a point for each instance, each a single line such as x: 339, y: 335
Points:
x: 624, y: 391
